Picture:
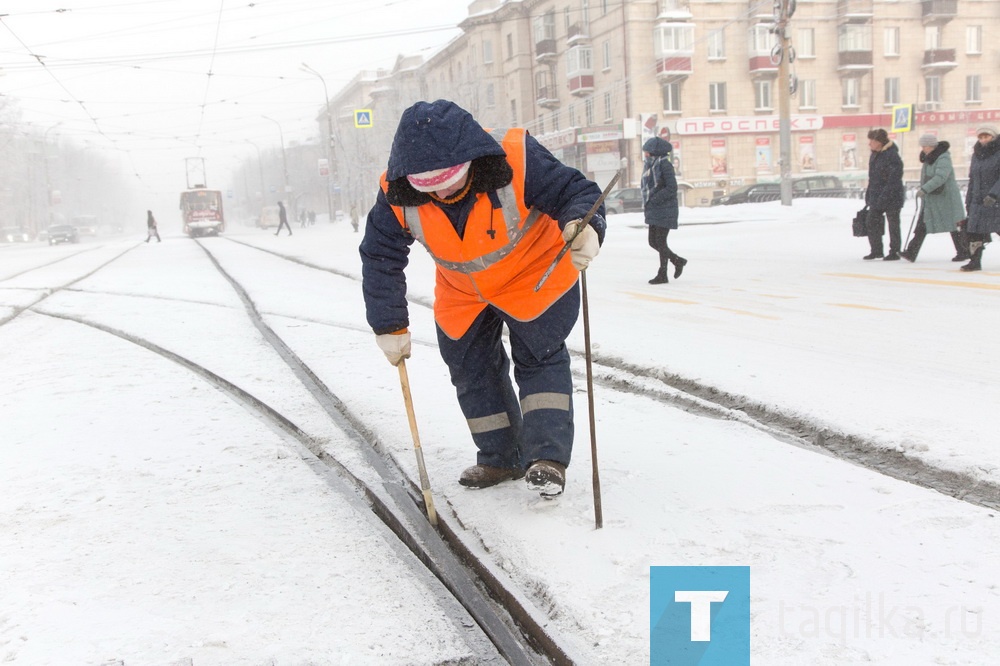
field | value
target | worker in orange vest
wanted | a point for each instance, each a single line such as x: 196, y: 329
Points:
x: 493, y: 209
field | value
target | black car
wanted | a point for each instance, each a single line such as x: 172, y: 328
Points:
x: 750, y: 194
x: 625, y: 200
x: 63, y: 233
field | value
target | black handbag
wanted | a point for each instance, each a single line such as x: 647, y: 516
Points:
x: 859, y: 227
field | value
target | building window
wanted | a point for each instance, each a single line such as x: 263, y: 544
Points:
x: 850, y: 93
x: 717, y: 45
x: 974, y: 39
x: 487, y: 52
x: 606, y: 48
x: 891, y: 42
x: 807, y: 94
x: 806, y: 45
x: 491, y: 99
x: 673, y: 38
x: 510, y: 46
x: 604, y: 7
x: 579, y: 61
x: 762, y: 40
x: 572, y: 115
x: 555, y: 122
x: 566, y: 18
x: 892, y: 91
x: 762, y: 95
x: 717, y: 96
x: 585, y: 12
x: 588, y: 110
x: 541, y: 125
x: 545, y: 27
x: 932, y: 37
x: 973, y: 88
x: 932, y: 86
x: 672, y: 97
x: 513, y: 113
x: 607, y: 107
x: 854, y: 37
x: 543, y: 91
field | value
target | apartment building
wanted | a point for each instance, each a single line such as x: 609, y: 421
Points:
x: 592, y: 78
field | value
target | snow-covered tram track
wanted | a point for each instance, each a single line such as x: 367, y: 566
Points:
x: 516, y: 629
x: 785, y: 426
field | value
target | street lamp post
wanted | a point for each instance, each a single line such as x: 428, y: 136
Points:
x: 284, y: 158
x: 260, y: 167
x: 45, y: 163
x: 329, y: 137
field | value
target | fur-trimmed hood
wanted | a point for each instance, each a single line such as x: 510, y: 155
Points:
x: 940, y: 149
x: 437, y: 135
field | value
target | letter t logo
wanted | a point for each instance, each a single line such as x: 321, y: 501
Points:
x: 701, y: 610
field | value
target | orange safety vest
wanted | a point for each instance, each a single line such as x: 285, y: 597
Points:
x: 500, y: 268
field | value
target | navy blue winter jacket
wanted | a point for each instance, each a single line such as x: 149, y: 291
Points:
x: 437, y: 135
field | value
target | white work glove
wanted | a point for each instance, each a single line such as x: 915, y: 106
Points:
x: 395, y: 346
x: 585, y: 247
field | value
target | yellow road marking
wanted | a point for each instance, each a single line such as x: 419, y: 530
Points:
x: 748, y: 314
x: 863, y: 307
x: 661, y: 299
x: 939, y: 283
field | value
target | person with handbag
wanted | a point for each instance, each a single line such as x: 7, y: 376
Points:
x: 982, y: 196
x: 941, y: 205
x: 885, y: 194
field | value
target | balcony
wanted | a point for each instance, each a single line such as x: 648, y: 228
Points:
x: 547, y: 97
x: 849, y: 62
x: 545, y: 50
x: 762, y: 67
x: 674, y: 66
x: 938, y: 11
x: 581, y: 85
x: 577, y: 33
x: 856, y: 11
x: 938, y: 61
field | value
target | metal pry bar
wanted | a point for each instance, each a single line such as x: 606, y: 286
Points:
x: 580, y: 228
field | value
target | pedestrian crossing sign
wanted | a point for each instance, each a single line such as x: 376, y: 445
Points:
x: 362, y: 117
x: 902, y: 118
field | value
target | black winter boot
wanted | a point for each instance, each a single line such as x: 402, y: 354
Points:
x: 961, y: 243
x: 661, y: 277
x: 976, y: 252
x: 679, y: 264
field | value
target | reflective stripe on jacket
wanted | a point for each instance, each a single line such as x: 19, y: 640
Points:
x: 499, y: 259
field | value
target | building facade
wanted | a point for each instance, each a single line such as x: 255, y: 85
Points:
x: 591, y: 79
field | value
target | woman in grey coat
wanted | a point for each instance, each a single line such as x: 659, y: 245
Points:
x: 983, y: 194
x: 942, y: 208
x: 659, y: 204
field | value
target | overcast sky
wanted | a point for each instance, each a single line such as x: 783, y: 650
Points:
x: 132, y: 77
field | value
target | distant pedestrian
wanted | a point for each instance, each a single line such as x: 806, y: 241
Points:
x: 982, y: 196
x: 885, y: 194
x: 282, y: 220
x: 151, y: 227
x: 355, y: 220
x: 303, y: 218
x: 312, y: 217
x: 941, y: 208
x: 659, y: 204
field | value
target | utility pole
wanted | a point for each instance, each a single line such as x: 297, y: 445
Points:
x: 783, y: 10
x: 284, y: 157
x: 329, y: 138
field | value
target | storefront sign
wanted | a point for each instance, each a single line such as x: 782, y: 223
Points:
x: 746, y: 124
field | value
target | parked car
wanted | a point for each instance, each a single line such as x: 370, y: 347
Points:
x: 750, y: 194
x: 62, y: 233
x: 804, y: 187
x: 14, y: 235
x: 270, y: 216
x: 86, y: 225
x: 625, y: 200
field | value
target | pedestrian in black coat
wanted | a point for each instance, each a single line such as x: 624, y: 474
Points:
x: 151, y: 227
x: 983, y: 194
x: 282, y: 220
x: 885, y: 194
x: 659, y: 204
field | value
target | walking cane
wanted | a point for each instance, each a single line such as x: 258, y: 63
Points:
x: 920, y: 204
x: 425, y: 484
x: 598, y: 514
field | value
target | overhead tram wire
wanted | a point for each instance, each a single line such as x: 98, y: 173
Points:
x: 208, y: 80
